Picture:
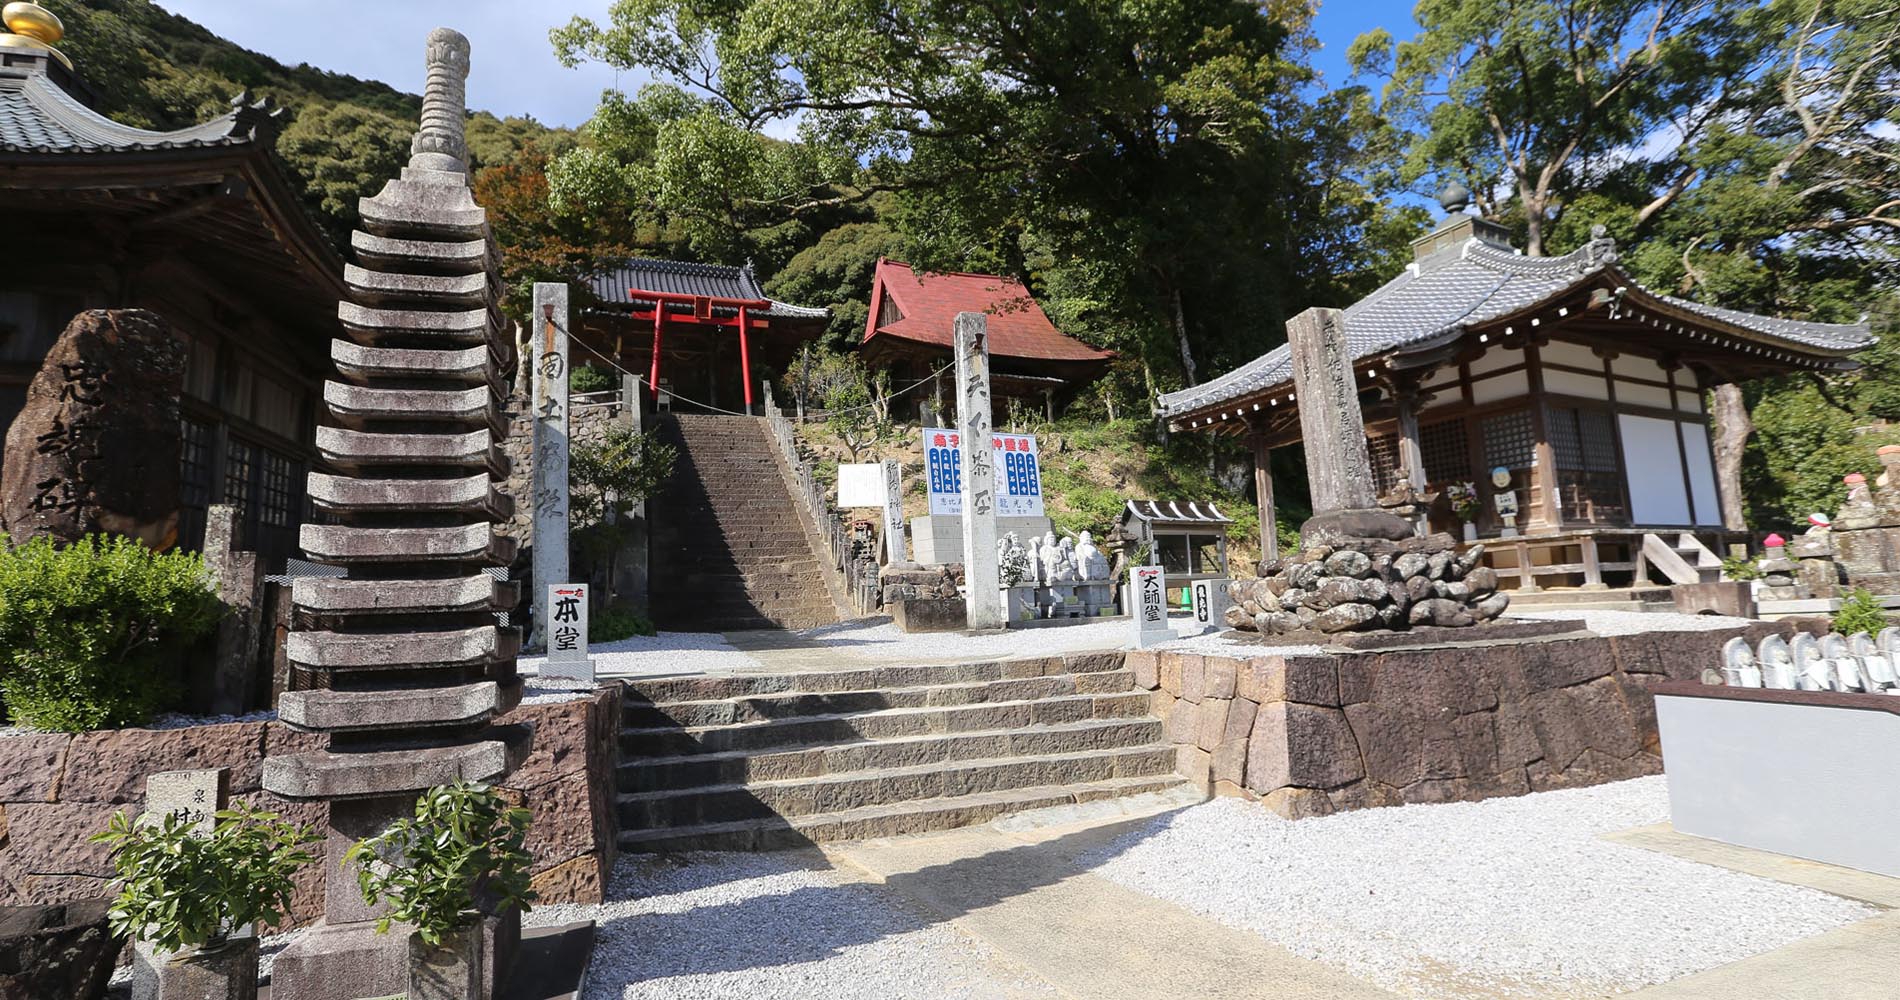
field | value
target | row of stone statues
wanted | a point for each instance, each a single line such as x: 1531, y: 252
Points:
x: 1048, y: 562
x: 1833, y: 662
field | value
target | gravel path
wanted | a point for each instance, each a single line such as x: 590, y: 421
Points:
x: 1503, y: 898
x: 773, y: 927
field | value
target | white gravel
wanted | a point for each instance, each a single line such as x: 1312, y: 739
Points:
x: 1502, y: 898
x: 772, y: 927
x: 666, y: 653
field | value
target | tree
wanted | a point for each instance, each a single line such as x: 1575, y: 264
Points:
x: 836, y: 273
x: 342, y: 152
x: 607, y: 477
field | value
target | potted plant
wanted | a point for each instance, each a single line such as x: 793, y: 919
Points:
x: 458, y: 860
x: 1465, y: 506
x: 196, y: 898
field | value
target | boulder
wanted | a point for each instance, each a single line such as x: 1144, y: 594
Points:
x: 1345, y: 617
x: 95, y: 448
x: 1481, y: 581
x: 1490, y: 607
x: 1439, y: 611
x: 1348, y: 563
x: 1409, y: 565
x: 1436, y: 566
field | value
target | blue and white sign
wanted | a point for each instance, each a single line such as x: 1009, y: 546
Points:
x: 1016, y: 460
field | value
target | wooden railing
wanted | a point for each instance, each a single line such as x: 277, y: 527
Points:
x: 830, y: 525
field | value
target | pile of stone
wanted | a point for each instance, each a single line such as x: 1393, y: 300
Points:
x: 1363, y: 584
x: 909, y: 581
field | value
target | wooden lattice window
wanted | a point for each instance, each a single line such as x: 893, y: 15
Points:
x: 1383, y: 451
x: 1446, y: 459
x: 1509, y: 440
x: 1589, y: 483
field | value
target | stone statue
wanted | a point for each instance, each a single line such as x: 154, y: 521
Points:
x: 1063, y: 565
x: 1035, y: 562
x: 1089, y: 560
x: 1013, y: 565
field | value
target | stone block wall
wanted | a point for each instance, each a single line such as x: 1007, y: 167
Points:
x: 57, y: 789
x: 586, y: 425
x: 1316, y: 734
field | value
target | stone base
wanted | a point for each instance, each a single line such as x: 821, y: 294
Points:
x: 936, y: 614
x: 230, y: 971
x: 1502, y: 629
x: 1733, y: 598
x: 343, y: 962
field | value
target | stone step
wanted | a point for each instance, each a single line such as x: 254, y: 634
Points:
x: 392, y: 650
x: 320, y: 595
x: 371, y: 324
x: 669, y: 690
x: 760, y: 708
x: 885, y: 820
x: 348, y: 545
x: 353, y: 450
x: 474, y: 494
x: 685, y: 771
x: 883, y: 723
x: 794, y: 797
x: 470, y: 366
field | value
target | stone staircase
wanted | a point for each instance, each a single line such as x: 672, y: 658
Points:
x: 730, y: 550
x: 770, y: 761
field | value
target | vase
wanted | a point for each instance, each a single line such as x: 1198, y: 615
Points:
x: 451, y: 969
x: 224, y: 971
x: 1471, y: 531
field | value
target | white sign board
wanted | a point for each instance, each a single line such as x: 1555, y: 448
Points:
x: 860, y: 485
x: 193, y: 796
x: 1210, y: 603
x: 1017, y: 465
x: 1148, y: 605
x: 566, y: 630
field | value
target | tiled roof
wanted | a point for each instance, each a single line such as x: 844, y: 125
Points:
x: 1477, y: 282
x: 39, y: 116
x: 623, y: 283
x: 1174, y: 513
x: 929, y: 303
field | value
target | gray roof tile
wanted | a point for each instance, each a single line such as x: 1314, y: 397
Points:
x: 39, y: 116
x: 622, y: 284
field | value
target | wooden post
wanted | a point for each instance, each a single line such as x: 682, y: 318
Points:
x: 1049, y: 404
x: 745, y: 360
x: 1411, y: 455
x: 1263, y: 493
x: 1526, y: 581
x: 1592, y: 565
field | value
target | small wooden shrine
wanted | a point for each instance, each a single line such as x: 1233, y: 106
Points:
x: 1567, y: 395
x: 201, y: 225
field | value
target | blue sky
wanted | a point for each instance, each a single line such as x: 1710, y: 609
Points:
x: 514, y: 69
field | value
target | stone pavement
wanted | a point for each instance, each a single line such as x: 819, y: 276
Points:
x: 1013, y: 887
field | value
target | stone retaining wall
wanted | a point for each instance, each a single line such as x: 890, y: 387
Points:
x: 1311, y: 735
x: 56, y: 790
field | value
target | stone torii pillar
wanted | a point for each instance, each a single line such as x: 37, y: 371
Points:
x: 1338, y: 471
x: 411, y: 667
x: 982, y: 600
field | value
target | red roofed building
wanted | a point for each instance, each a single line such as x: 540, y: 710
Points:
x: 912, y: 323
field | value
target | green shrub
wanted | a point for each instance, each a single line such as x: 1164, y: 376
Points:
x: 1740, y: 568
x: 587, y: 378
x: 462, y: 845
x: 92, y: 635
x: 180, y: 890
x: 614, y: 624
x: 1860, y: 612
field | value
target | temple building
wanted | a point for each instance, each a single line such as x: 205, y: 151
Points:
x: 703, y: 335
x: 912, y: 325
x: 1569, y: 396
x: 201, y: 225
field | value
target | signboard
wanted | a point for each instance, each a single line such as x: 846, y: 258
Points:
x: 567, y: 633
x: 893, y: 511
x: 1210, y: 602
x: 194, y: 796
x: 1017, y: 462
x: 860, y: 485
x: 1148, y: 605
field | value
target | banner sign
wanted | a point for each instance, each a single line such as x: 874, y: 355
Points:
x: 1016, y: 458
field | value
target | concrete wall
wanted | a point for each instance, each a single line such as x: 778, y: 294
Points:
x: 1789, y: 773
x: 56, y: 790
x: 1310, y: 735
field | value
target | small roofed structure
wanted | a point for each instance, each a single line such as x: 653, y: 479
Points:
x: 1568, y: 394
x: 912, y: 325
x: 1179, y: 534
x: 704, y: 332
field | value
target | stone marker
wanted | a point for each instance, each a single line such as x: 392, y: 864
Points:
x: 568, y: 658
x: 983, y: 601
x: 1333, y: 432
x: 1211, y: 603
x: 894, y: 512
x: 194, y: 795
x: 1148, y: 605
x: 412, y: 668
x: 95, y: 448
x: 547, y: 337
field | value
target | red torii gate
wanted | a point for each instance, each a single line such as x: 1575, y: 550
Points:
x: 702, y: 315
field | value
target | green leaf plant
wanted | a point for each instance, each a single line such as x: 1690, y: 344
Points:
x: 460, y: 855
x: 179, y: 889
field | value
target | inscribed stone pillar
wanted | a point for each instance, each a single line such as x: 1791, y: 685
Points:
x: 548, y: 339
x: 982, y: 601
x: 1338, y: 472
x: 893, y: 512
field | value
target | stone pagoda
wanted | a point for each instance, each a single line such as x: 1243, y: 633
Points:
x: 407, y: 668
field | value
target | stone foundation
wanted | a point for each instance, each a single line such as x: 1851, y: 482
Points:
x: 1349, y: 729
x: 56, y: 790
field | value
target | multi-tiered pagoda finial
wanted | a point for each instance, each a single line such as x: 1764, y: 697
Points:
x: 404, y: 665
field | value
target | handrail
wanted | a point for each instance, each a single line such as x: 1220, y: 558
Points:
x: 830, y: 524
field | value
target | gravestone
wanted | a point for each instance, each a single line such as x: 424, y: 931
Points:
x: 548, y: 339
x: 412, y: 669
x: 983, y: 602
x: 95, y: 448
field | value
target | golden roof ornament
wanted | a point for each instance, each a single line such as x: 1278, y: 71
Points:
x: 33, y: 27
